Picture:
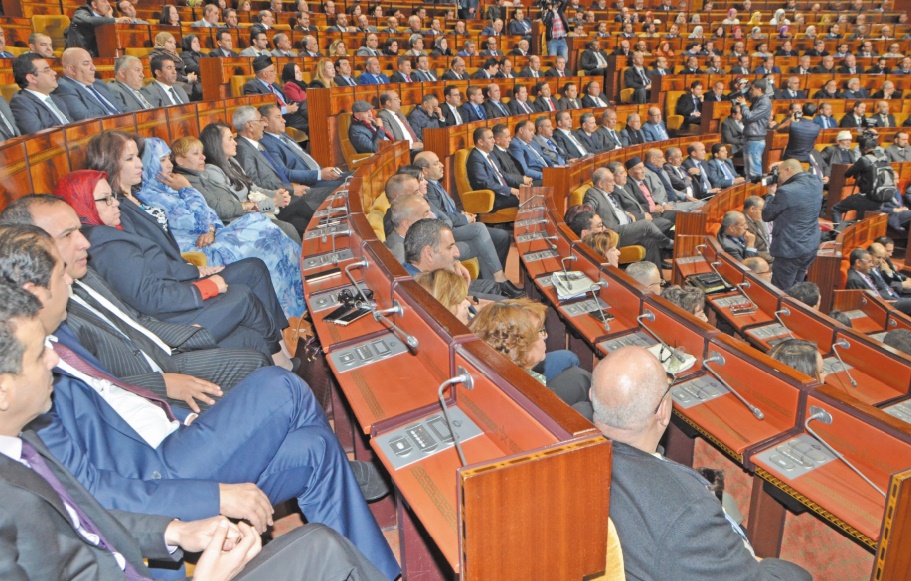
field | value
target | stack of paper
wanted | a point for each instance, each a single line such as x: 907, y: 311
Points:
x: 572, y: 284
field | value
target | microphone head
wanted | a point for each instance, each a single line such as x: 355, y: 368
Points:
x: 842, y: 343
x: 784, y: 311
x: 411, y: 341
x: 758, y: 413
x: 714, y: 357
x: 818, y: 413
x: 646, y: 316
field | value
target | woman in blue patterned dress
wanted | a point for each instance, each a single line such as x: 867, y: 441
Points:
x: 197, y: 228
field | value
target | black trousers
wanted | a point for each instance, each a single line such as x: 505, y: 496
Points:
x: 858, y: 202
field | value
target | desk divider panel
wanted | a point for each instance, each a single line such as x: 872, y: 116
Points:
x: 623, y: 294
x: 768, y: 385
x: 808, y: 323
x: 48, y: 162
x: 678, y: 328
x: 887, y: 370
x: 874, y: 309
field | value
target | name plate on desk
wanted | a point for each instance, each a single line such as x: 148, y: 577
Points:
x: 639, y: 339
x: 541, y: 255
x: 768, y: 332
x: 690, y: 260
x: 531, y: 236
x: 696, y: 391
x: 426, y: 437
x: 855, y: 314
x: 796, y: 457
x: 728, y: 302
x: 832, y: 365
x: 325, y: 230
x: 545, y: 281
x: 367, y: 353
x: 328, y: 258
x: 583, y: 307
x: 901, y: 410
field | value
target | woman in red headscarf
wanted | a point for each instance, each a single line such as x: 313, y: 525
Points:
x: 89, y: 193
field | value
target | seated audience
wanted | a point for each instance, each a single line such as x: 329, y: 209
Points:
x: 34, y: 107
x: 605, y: 244
x: 485, y: 173
x: 647, y: 275
x: 688, y: 298
x: 675, y: 515
x: 515, y: 328
x: 197, y: 228
x: 862, y: 275
x: 449, y: 289
x: 806, y: 292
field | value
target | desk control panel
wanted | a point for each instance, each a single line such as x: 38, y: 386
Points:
x: 545, y: 281
x: 586, y: 306
x: 855, y: 314
x: 367, y: 352
x: 325, y: 230
x: 690, y: 260
x: 530, y: 222
x: 690, y: 393
x: 426, y: 437
x: 541, y: 255
x: 901, y: 410
x: 639, y: 339
x: 727, y: 302
x: 328, y: 300
x: 796, y: 457
x: 769, y: 332
x: 531, y: 236
x: 832, y: 365
x: 320, y: 260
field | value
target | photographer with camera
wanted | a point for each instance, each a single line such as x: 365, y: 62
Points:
x: 874, y: 180
x: 556, y: 28
x: 756, y: 116
x: 794, y: 213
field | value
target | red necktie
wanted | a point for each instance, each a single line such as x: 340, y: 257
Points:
x: 414, y: 136
x: 81, y: 366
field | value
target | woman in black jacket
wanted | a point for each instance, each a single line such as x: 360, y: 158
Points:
x: 191, y: 54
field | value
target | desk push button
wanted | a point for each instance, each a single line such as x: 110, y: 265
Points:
x: 401, y: 446
x: 781, y: 462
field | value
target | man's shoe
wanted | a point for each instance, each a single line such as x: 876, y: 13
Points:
x: 510, y: 291
x: 373, y: 487
x: 666, y: 265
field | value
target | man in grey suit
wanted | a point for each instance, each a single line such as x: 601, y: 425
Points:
x: 55, y: 529
x: 8, y: 128
x: 282, y: 42
x: 393, y: 120
x: 174, y: 361
x: 602, y: 198
x: 209, y: 17
x: 164, y: 90
x: 265, y: 171
x: 127, y: 83
x: 259, y: 44
x: 676, y: 515
x: 84, y: 96
x: 34, y: 108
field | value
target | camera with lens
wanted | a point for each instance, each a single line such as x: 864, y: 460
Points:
x: 766, y: 179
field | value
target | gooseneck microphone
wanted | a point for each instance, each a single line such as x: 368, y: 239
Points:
x: 715, y: 357
x: 843, y: 343
x: 819, y: 414
x: 465, y: 379
x: 787, y: 313
x: 396, y: 309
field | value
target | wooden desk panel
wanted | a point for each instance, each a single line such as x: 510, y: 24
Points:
x: 678, y: 328
x: 808, y: 323
x: 876, y: 312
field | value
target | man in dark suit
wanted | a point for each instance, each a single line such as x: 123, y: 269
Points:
x: 403, y: 72
x: 854, y: 91
x: 81, y: 31
x: 882, y: 118
x: 116, y: 446
x: 690, y: 105
x: 607, y: 131
x: 863, y: 275
x: 697, y: 168
x: 473, y: 109
x: 681, y: 178
x: 343, y: 68
x: 427, y: 115
x: 488, y: 70
x: 588, y: 134
x: 511, y: 169
x: 126, y: 84
x: 544, y: 102
x: 721, y: 169
x: 519, y: 104
x: 164, y: 91
x: 456, y: 71
x: 533, y: 70
x: 366, y: 131
x: 451, y: 106
x: 752, y: 209
x: 424, y: 73
x: 484, y: 173
x: 593, y: 96
x: 544, y: 133
x: 493, y: 106
x: 850, y: 67
x: 794, y: 214
x: 602, y: 197
x: 792, y: 90
x: 743, y: 66
x: 734, y: 236
x: 84, y: 96
x: 41, y: 497
x: 632, y: 134
x: 225, y: 45
x: 34, y: 108
x: 636, y: 78
x: 593, y: 60
x: 566, y: 139
x: 8, y: 128
x: 856, y: 117
x: 676, y: 515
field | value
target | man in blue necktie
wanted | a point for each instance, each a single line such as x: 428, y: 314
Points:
x: 84, y: 96
x: 473, y: 109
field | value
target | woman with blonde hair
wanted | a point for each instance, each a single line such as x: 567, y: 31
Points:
x: 165, y: 45
x: 605, y: 244
x: 324, y: 76
x: 515, y: 328
x: 450, y: 289
x: 338, y: 48
x: 755, y: 18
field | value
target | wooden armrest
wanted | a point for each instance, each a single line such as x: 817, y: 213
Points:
x: 633, y: 253
x: 478, y: 201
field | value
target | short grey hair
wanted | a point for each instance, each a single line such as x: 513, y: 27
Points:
x: 402, y: 208
x: 642, y: 271
x: 243, y: 115
x: 599, y: 174
x: 123, y: 61
x: 730, y: 218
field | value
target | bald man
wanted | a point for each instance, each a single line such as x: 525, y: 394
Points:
x: 85, y: 97
x: 794, y: 213
x: 670, y: 525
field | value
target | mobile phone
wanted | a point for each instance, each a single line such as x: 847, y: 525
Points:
x: 342, y: 310
x: 352, y: 316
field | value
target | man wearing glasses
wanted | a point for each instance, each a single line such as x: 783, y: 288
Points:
x: 34, y: 108
x: 670, y: 525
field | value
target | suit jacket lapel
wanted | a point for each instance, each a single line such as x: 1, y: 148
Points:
x: 18, y: 475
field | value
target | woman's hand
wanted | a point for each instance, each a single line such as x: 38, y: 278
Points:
x: 205, y: 239
x: 191, y: 77
x: 175, y: 181
x: 282, y: 198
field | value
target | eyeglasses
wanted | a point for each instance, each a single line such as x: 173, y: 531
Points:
x: 108, y: 200
x: 671, y: 379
